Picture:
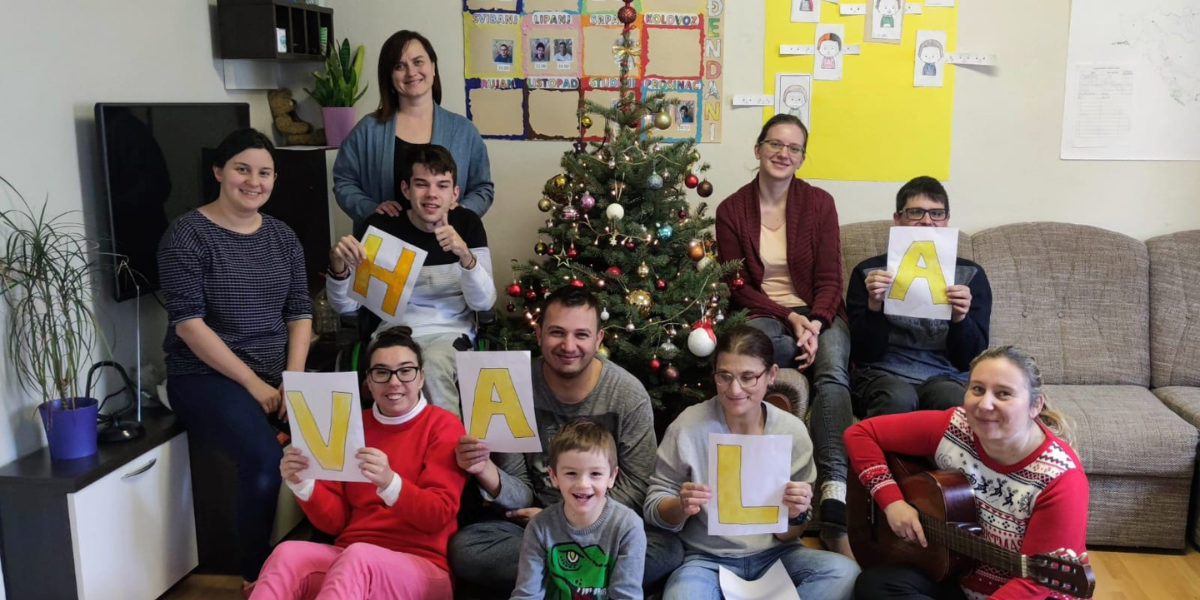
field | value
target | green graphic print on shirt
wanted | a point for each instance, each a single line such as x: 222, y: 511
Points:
x: 578, y: 573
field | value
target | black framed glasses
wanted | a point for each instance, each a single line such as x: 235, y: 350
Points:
x: 725, y: 378
x: 384, y: 374
x: 777, y: 146
x: 935, y: 214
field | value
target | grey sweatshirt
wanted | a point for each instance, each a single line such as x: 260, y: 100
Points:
x: 620, y: 404
x: 603, y: 562
x: 683, y: 457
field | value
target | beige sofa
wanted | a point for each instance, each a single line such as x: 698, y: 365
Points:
x: 1088, y: 303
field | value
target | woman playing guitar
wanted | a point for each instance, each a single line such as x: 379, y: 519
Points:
x: 1030, y: 490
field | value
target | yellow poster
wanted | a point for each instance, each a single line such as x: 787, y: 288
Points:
x: 873, y: 124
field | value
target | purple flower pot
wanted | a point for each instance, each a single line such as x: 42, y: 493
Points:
x: 338, y: 123
x: 71, y: 432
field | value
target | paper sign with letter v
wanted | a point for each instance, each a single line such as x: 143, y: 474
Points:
x: 384, y: 282
x: 326, y: 422
x: 747, y: 474
x: 497, y: 400
x: 921, y: 261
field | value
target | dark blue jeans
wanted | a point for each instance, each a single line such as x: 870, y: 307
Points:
x: 877, y: 392
x: 221, y: 414
x: 901, y: 582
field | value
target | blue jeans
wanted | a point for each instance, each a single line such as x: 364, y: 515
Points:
x: 832, y: 411
x: 878, y: 393
x: 818, y: 575
x: 221, y: 414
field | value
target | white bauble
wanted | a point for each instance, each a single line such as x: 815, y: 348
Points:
x: 615, y: 212
x: 702, y: 341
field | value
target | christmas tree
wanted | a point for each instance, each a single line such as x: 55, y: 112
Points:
x: 620, y: 225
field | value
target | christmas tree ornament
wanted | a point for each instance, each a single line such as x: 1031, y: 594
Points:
x: 586, y: 121
x: 691, y: 181
x: 551, y: 251
x: 630, y: 327
x: 615, y: 211
x: 587, y: 201
x: 514, y: 290
x: 643, y: 270
x: 572, y: 252
x: 576, y: 283
x: 654, y: 181
x: 665, y: 233
x: 720, y: 316
x: 702, y: 341
x: 612, y: 164
x: 540, y: 248
x: 683, y: 213
x: 601, y: 283
x: 545, y: 205
x: 654, y: 364
x: 560, y: 181
x: 660, y: 285
x: 569, y: 213
x: 694, y: 156
x: 705, y: 189
x: 602, y: 352
x: 531, y: 295
x: 641, y: 300
x: 670, y: 374
x: 738, y: 283
x: 604, y: 314
x: 668, y: 350
x: 580, y: 147
x: 703, y: 265
x: 630, y: 244
x: 614, y: 272
x: 511, y: 307
x: 671, y: 331
x: 662, y: 120
x: 696, y: 251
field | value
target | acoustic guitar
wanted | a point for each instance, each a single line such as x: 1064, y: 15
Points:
x: 946, y: 504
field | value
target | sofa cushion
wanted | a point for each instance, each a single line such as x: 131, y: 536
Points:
x: 1077, y: 297
x: 1125, y: 430
x: 861, y: 241
x: 1185, y: 401
x: 1175, y: 309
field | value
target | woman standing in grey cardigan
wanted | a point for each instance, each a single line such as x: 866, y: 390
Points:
x: 377, y: 155
x: 679, y: 499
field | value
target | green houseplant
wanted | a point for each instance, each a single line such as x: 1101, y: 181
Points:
x: 45, y: 278
x: 337, y: 90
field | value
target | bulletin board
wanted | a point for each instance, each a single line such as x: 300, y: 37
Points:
x: 875, y: 123
x: 529, y: 63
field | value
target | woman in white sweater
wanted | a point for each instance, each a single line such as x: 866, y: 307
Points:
x: 680, y: 494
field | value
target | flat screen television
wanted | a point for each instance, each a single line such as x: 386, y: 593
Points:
x: 156, y: 164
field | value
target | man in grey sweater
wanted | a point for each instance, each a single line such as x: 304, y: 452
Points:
x: 569, y: 382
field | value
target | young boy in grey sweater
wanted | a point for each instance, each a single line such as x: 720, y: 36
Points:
x: 584, y: 547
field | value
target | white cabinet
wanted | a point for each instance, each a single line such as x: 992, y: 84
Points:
x: 133, y: 531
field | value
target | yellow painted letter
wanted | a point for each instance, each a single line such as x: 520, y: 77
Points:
x: 507, y: 404
x: 395, y: 279
x: 729, y: 492
x: 911, y: 269
x: 331, y: 454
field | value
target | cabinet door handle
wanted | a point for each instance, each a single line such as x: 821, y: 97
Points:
x: 148, y: 466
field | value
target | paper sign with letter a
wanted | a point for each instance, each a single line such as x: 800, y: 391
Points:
x: 326, y: 422
x: 497, y: 400
x: 384, y: 282
x: 921, y: 261
x: 747, y: 474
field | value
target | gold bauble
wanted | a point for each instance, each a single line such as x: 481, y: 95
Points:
x: 662, y: 120
x: 695, y: 155
x: 560, y: 181
x: 602, y: 352
x: 586, y: 121
x: 643, y: 270
x: 642, y: 300
x: 545, y: 205
x: 696, y: 251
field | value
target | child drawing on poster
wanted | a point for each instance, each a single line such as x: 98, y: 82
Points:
x: 828, y: 65
x: 829, y: 47
x: 886, y: 19
x: 931, y: 51
x: 806, y: 11
x: 795, y: 98
x: 793, y: 92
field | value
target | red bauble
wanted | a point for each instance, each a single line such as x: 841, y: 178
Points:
x: 670, y: 374
x: 551, y: 251
x: 655, y: 365
x: 576, y: 283
x: 691, y: 181
x: 572, y: 252
x: 738, y: 283
x: 660, y: 285
x: 627, y: 14
x: 531, y: 294
x: 614, y: 272
x: 511, y: 307
x: 629, y: 244
x: 514, y: 290
x: 683, y: 213
x: 705, y: 189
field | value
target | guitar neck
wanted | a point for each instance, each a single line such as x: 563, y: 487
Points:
x: 956, y: 540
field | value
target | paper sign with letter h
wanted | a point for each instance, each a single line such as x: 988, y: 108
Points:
x: 384, y: 282
x: 497, y: 400
x: 326, y: 423
x: 749, y: 499
x: 921, y: 261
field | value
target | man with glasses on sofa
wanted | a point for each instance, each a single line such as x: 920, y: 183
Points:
x: 902, y: 364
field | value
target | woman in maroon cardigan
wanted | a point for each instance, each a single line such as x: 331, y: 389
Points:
x: 785, y: 232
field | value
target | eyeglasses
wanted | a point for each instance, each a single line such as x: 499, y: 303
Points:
x: 725, y: 379
x: 384, y: 374
x: 777, y: 147
x: 935, y: 214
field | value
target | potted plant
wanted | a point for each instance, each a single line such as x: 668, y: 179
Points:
x: 337, y: 90
x: 45, y: 278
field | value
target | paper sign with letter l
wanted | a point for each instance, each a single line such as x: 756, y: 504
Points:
x: 384, y: 282
x: 497, y: 400
x: 326, y: 422
x: 921, y: 261
x: 747, y: 474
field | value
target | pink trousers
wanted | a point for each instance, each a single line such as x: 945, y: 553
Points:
x: 308, y: 571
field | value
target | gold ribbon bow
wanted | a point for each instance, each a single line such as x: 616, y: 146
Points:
x: 622, y: 51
